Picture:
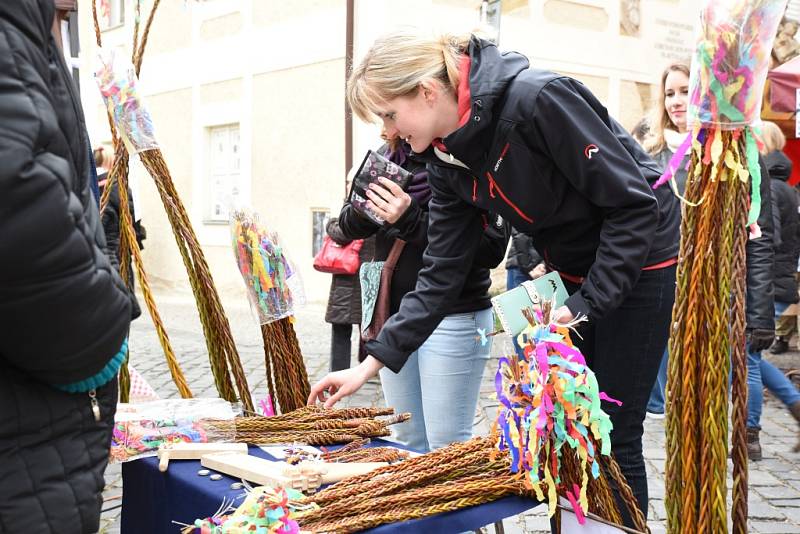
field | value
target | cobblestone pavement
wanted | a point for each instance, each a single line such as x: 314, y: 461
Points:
x: 774, y: 500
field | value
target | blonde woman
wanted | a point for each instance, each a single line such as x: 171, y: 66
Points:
x: 539, y: 149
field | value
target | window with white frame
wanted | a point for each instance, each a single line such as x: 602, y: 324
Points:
x: 111, y: 13
x: 224, y: 167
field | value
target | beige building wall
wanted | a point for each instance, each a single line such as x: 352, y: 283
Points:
x: 276, y: 69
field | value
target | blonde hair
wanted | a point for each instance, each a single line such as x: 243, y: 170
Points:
x: 773, y: 137
x: 397, y: 63
x: 659, y: 118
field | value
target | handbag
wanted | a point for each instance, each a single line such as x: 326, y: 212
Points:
x: 334, y: 258
x: 376, y: 289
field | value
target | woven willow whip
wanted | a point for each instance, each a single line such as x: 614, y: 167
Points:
x: 223, y: 355
x: 708, y: 332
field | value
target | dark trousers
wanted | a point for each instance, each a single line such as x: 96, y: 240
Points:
x: 624, y: 350
x: 340, y: 346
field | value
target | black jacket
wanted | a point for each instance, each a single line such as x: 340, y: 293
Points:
x: 759, y: 305
x: 64, y: 311
x: 344, y: 297
x: 521, y: 254
x: 412, y: 227
x: 541, y: 151
x: 787, y: 227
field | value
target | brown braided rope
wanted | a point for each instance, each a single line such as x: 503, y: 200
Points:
x: 403, y: 477
x: 739, y: 390
x: 223, y: 355
x: 286, y: 371
x: 126, y: 227
x: 708, y: 319
x: 476, y: 485
x: 369, y: 520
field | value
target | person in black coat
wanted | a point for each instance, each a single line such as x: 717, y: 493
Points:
x: 760, y: 372
x: 344, y: 300
x: 64, y: 309
x: 787, y: 232
x: 540, y: 150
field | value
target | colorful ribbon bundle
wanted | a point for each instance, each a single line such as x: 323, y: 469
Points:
x: 708, y: 322
x: 118, y: 84
x: 264, y: 511
x: 273, y: 285
x: 140, y: 429
x: 550, y: 404
x: 726, y: 86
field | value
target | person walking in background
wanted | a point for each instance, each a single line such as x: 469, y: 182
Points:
x: 668, y: 129
x: 111, y: 219
x: 344, y: 299
x: 440, y: 383
x: 64, y: 309
x: 523, y: 262
x: 760, y: 372
x: 787, y: 234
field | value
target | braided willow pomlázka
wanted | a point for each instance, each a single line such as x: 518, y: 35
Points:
x: 287, y: 377
x: 709, y: 295
x: 127, y: 244
x: 222, y: 351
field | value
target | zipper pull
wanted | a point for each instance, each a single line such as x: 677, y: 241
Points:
x: 95, y: 405
x: 491, y: 188
x: 475, y: 191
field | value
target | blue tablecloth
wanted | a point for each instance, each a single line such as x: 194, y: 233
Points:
x: 152, y: 500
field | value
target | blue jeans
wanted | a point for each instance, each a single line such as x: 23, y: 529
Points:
x: 657, y: 399
x: 440, y: 383
x: 514, y: 277
x: 760, y: 374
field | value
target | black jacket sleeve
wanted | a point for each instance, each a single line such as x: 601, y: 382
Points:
x: 612, y: 179
x: 760, y: 305
x: 454, y: 234
x: 64, y: 310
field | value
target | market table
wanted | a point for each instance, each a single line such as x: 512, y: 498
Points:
x: 152, y: 500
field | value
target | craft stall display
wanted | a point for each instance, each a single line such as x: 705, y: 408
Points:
x: 141, y: 429
x: 117, y: 79
x: 722, y: 199
x: 273, y: 288
x: 551, y: 440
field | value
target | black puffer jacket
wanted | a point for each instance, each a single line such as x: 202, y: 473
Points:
x: 63, y: 309
x: 344, y: 298
x: 760, y: 309
x: 787, y: 227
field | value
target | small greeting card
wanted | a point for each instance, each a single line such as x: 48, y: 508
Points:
x: 373, y: 167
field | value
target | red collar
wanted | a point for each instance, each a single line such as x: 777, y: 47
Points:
x: 463, y: 95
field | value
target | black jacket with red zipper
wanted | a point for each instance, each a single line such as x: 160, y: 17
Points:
x: 540, y: 150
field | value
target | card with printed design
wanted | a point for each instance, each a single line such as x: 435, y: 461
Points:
x: 373, y: 167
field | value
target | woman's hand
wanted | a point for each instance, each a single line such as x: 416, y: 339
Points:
x: 388, y: 200
x: 562, y: 315
x: 538, y: 271
x: 344, y: 383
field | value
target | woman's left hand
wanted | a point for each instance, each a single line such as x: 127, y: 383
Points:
x: 562, y: 315
x: 388, y: 200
